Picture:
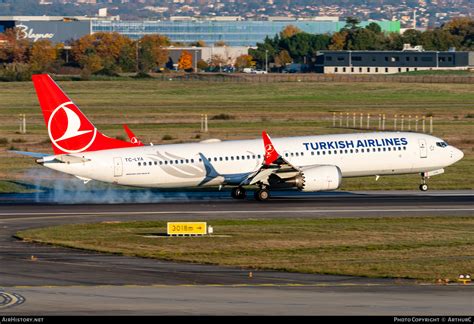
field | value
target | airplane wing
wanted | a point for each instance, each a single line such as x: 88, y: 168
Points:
x: 133, y: 139
x: 273, y: 165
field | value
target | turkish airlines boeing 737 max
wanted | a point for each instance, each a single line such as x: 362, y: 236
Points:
x: 307, y: 163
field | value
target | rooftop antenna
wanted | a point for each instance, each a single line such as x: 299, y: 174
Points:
x: 414, y: 18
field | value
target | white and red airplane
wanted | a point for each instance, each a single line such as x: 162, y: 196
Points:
x: 307, y: 163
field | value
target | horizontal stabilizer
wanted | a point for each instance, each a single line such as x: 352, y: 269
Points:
x: 32, y: 154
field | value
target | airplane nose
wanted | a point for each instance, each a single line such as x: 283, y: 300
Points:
x: 457, y: 154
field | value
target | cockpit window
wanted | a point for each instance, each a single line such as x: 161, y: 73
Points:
x: 441, y: 144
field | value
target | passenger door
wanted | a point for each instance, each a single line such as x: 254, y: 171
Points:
x: 118, y: 167
x: 423, y: 149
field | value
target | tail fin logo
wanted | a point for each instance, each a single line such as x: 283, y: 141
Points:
x: 269, y: 150
x: 68, y: 132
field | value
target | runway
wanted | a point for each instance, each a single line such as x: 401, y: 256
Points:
x: 64, y: 281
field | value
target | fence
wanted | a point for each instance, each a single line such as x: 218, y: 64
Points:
x: 409, y: 123
x: 312, y: 77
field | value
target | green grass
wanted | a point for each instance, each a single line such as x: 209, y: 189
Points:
x: 422, y: 248
x: 154, y: 109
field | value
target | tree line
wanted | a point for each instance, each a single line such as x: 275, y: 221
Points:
x: 295, y: 46
x: 113, y: 53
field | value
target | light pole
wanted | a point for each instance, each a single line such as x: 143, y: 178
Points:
x: 195, y: 61
x: 136, y: 55
x: 266, y: 60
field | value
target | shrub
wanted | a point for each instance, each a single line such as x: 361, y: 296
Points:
x: 167, y: 137
x: 15, y: 72
x: 18, y: 140
x: 223, y: 117
x: 142, y: 75
x: 3, y: 141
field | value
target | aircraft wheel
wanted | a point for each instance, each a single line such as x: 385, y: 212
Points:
x: 424, y: 187
x: 238, y: 193
x: 262, y: 194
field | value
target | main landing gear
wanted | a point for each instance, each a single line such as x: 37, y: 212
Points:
x: 423, y: 185
x: 261, y: 194
x: 238, y: 193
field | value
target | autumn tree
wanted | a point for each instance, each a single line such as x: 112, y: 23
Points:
x: 199, y: 43
x: 42, y: 55
x: 289, y: 31
x: 101, y: 51
x: 338, y: 41
x: 244, y: 61
x: 185, y: 61
x: 463, y: 29
x: 16, y: 47
x: 282, y: 59
x: 217, y: 61
x: 202, y: 65
x: 152, y: 52
x: 220, y: 43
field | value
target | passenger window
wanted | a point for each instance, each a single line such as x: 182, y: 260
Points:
x: 192, y: 160
x: 324, y: 152
x: 357, y: 150
x: 149, y: 163
x: 312, y: 153
x: 319, y: 153
x: 156, y: 163
x: 352, y: 151
x: 139, y: 164
x: 161, y: 162
x: 227, y: 158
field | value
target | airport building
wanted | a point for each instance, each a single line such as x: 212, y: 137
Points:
x: 388, y: 62
x: 232, y: 30
x: 226, y: 54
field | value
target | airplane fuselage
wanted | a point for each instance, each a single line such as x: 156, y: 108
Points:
x: 230, y: 162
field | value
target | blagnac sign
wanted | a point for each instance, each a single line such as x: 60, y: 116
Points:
x: 27, y: 32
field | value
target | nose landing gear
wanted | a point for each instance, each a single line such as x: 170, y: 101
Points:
x: 423, y: 185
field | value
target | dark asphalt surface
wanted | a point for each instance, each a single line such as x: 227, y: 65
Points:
x: 74, y: 274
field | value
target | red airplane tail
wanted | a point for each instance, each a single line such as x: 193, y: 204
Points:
x: 69, y: 129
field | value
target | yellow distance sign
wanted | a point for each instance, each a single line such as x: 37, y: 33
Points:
x: 187, y: 228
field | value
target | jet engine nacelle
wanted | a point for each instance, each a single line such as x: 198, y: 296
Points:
x: 319, y: 178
